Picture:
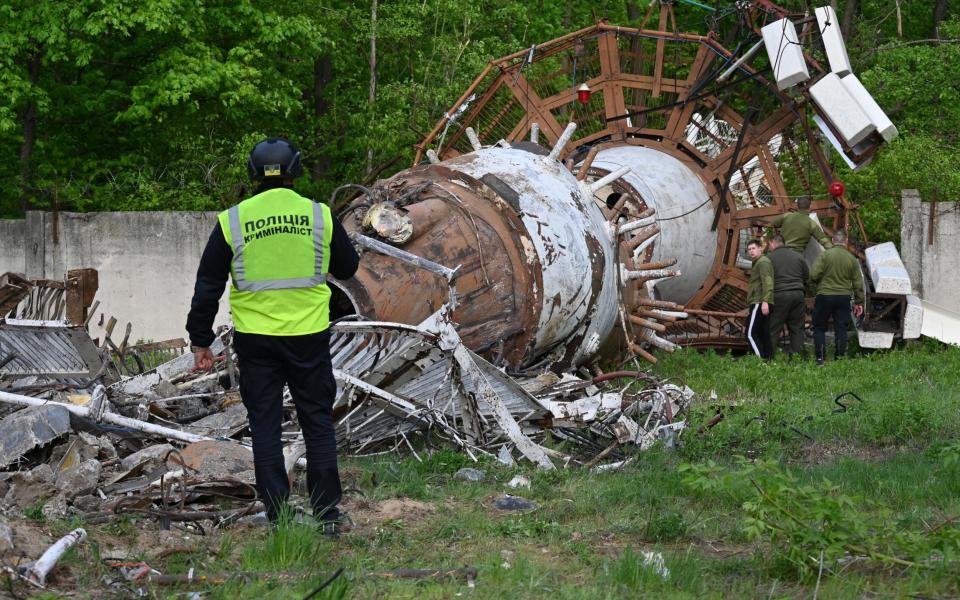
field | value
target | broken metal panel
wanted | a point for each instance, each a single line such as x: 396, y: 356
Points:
x: 13, y: 289
x: 31, y: 428
x: 48, y: 348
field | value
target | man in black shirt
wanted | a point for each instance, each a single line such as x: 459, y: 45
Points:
x: 277, y: 248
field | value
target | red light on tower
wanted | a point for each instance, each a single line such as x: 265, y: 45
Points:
x: 583, y: 93
x: 836, y: 189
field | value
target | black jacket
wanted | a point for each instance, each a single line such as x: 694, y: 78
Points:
x: 790, y: 271
x: 214, y: 270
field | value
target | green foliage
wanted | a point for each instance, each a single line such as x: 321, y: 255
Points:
x: 34, y: 512
x: 775, y: 408
x: 813, y: 526
x: 154, y: 105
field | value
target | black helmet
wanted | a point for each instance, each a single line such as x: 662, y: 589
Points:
x: 274, y: 158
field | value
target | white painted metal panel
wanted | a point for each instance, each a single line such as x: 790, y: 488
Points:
x: 839, y: 107
x: 833, y: 40
x: 885, y: 127
x: 886, y: 270
x: 785, y: 53
x: 913, y: 318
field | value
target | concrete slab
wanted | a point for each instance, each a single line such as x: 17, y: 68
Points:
x: 941, y: 323
x: 874, y: 339
x: 155, y: 453
x: 913, y: 318
x: 80, y: 479
x: 887, y: 271
x: 215, y: 458
x: 31, y: 428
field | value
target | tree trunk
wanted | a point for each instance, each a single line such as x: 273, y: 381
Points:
x: 633, y: 11
x: 939, y: 12
x: 322, y: 76
x: 849, y: 13
x: 373, y: 72
x: 28, y: 120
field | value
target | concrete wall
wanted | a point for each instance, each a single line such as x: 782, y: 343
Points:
x: 934, y: 267
x: 12, y: 257
x: 147, y: 263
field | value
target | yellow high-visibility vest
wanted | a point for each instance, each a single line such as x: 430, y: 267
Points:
x: 281, y: 255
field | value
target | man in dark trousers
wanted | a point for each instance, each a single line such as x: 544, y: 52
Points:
x: 836, y: 274
x: 277, y: 247
x: 790, y: 278
x: 797, y: 227
x: 759, y: 297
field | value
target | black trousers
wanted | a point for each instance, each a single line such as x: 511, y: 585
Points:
x: 303, y: 363
x: 758, y: 332
x: 825, y: 307
x: 788, y: 309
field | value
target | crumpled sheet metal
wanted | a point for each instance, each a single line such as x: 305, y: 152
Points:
x: 396, y: 379
x: 31, y: 428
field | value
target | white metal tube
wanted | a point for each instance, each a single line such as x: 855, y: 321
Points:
x: 633, y: 225
x: 608, y: 178
x: 746, y: 56
x: 474, y: 139
x: 535, y: 133
x: 562, y: 142
x: 644, y: 244
x: 37, y: 572
x: 651, y: 273
x: 108, y: 417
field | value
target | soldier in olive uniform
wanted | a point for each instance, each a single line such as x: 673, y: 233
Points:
x: 797, y: 227
x: 759, y: 297
x: 836, y: 275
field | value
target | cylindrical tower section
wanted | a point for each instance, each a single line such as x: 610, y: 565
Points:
x: 574, y: 250
x: 684, y: 213
x: 536, y: 259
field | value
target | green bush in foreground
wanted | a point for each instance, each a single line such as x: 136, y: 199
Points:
x: 811, y: 527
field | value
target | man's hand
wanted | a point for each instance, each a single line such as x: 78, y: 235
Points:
x: 765, y: 308
x: 202, y: 358
x: 857, y: 310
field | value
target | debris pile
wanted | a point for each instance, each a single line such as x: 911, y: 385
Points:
x: 81, y: 437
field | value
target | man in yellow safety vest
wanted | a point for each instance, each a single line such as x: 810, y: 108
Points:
x: 277, y: 247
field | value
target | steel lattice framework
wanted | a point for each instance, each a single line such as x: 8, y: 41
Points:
x: 752, y: 145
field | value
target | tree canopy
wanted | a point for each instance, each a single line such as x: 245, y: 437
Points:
x: 153, y: 105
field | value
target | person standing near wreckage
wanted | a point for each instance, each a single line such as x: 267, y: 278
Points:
x: 760, y: 298
x: 277, y: 247
x: 797, y: 227
x: 836, y: 275
x: 790, y: 280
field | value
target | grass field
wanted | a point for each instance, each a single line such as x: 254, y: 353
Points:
x: 789, y: 496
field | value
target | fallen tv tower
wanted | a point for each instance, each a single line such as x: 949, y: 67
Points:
x: 592, y: 195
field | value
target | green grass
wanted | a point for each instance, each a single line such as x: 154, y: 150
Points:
x: 896, y: 451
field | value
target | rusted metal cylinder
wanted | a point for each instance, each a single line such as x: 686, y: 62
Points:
x: 537, y: 257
